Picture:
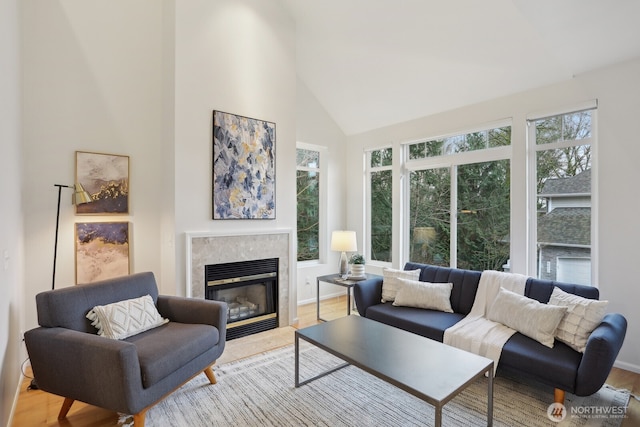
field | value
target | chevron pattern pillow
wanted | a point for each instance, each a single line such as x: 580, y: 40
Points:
x: 126, y: 318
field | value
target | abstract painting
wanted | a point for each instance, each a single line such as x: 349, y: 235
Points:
x: 243, y: 167
x: 102, y: 250
x: 106, y: 178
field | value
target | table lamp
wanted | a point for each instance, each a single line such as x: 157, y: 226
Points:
x: 343, y: 241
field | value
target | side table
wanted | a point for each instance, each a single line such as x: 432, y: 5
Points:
x: 336, y: 279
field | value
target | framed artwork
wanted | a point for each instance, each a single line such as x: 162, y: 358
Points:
x: 102, y: 250
x: 106, y: 178
x: 244, y: 182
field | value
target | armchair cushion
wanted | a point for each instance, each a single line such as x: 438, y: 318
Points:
x: 123, y: 319
x: 157, y: 360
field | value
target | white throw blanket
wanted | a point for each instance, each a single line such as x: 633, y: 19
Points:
x: 477, y: 334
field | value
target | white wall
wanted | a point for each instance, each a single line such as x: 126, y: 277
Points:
x: 142, y: 79
x: 238, y: 57
x: 618, y: 94
x: 92, y: 81
x: 11, y: 278
x: 315, y: 126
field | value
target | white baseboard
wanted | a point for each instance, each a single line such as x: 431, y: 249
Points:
x: 627, y: 366
x: 312, y: 300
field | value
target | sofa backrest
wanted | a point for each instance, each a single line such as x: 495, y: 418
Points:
x: 465, y: 285
x: 68, y: 307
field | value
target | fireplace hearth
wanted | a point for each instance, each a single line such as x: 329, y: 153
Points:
x: 250, y: 289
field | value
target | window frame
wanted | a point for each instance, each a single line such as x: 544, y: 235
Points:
x: 322, y: 203
x: 451, y: 161
x: 367, y: 202
x: 532, y: 194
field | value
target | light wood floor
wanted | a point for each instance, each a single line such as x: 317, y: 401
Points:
x: 38, y: 408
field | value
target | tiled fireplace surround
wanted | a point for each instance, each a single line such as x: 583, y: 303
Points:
x: 213, y: 248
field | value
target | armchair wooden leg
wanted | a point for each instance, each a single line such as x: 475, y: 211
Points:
x: 138, y: 419
x: 209, y: 373
x: 558, y: 396
x: 64, y: 410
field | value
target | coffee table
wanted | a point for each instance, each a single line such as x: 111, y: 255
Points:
x: 428, y: 369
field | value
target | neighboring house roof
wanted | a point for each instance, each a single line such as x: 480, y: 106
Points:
x: 579, y: 184
x: 565, y: 226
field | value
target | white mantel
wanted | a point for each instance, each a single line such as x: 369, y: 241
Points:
x: 204, y: 248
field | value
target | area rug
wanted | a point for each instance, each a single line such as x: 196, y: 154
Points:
x: 259, y: 391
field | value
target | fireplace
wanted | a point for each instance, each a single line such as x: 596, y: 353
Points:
x: 250, y: 289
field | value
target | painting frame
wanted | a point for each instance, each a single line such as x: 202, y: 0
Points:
x: 244, y: 167
x: 102, y: 250
x: 106, y: 178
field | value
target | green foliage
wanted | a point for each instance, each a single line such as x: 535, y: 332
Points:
x: 381, y: 215
x: 356, y: 259
x: 308, y: 225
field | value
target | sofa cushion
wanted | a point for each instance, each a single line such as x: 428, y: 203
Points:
x: 557, y: 366
x: 123, y: 319
x: 581, y: 318
x: 527, y: 316
x: 434, y: 296
x: 163, y: 350
x: 428, y: 323
x: 390, y: 283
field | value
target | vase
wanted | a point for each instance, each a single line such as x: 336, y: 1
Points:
x: 357, y: 270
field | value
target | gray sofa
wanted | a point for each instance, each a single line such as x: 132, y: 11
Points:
x: 560, y: 367
x: 129, y: 375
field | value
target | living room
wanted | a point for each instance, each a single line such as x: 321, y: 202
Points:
x: 142, y: 80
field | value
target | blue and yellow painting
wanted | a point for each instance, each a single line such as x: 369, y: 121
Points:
x: 243, y: 167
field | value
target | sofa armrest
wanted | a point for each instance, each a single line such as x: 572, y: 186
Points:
x: 193, y: 310
x: 84, y: 366
x: 600, y: 354
x: 367, y: 293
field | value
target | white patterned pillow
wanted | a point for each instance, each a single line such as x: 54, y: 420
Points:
x: 125, y: 318
x: 582, y: 317
x: 527, y: 316
x: 390, y: 283
x: 434, y: 296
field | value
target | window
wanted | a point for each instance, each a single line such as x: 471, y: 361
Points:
x: 562, y: 145
x: 380, y: 206
x: 308, y: 203
x: 459, y: 200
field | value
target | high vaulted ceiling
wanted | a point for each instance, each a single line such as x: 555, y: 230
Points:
x: 373, y: 63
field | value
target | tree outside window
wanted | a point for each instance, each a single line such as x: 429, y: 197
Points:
x: 308, y: 204
x: 464, y: 208
x: 380, y: 204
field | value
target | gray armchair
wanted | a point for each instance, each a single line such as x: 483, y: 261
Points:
x: 129, y: 376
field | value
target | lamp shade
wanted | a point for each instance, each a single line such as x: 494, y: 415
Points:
x: 80, y: 195
x: 344, y: 241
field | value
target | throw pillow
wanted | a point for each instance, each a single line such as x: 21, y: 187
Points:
x: 434, y: 296
x: 390, y: 283
x: 527, y: 316
x: 126, y: 318
x: 582, y: 317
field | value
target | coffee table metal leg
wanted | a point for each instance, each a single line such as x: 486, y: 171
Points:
x: 299, y: 383
x: 438, y: 416
x: 297, y: 357
x: 490, y: 397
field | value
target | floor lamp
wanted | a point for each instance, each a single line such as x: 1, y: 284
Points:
x: 80, y: 196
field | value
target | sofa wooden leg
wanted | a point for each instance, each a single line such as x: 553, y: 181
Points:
x: 558, y: 396
x: 138, y: 419
x: 66, y: 405
x: 209, y: 373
